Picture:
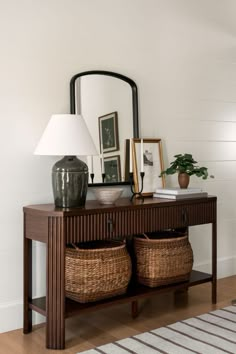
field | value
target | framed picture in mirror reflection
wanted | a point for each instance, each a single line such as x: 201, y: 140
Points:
x: 108, y: 132
x: 148, y: 158
x: 112, y: 169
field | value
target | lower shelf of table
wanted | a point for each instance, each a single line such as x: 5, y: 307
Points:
x: 134, y: 292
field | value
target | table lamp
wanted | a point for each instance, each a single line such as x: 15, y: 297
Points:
x: 67, y: 135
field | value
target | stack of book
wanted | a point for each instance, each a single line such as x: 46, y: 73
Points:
x: 179, y: 193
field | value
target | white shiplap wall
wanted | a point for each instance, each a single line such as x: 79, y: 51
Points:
x: 196, y: 113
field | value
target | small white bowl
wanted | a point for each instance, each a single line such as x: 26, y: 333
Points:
x: 107, y: 195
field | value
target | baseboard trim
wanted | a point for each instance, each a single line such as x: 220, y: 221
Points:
x: 226, y: 267
x: 11, y: 314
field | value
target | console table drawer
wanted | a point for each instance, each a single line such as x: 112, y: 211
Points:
x: 199, y: 213
x: 192, y: 214
x: 125, y: 222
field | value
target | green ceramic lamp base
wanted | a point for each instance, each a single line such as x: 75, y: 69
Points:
x: 70, y: 182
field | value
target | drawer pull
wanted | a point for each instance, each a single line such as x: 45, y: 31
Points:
x: 185, y: 217
x: 110, y: 225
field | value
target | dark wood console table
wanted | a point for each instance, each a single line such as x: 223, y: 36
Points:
x: 58, y: 227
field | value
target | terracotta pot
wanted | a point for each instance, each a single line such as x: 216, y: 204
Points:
x: 183, y: 179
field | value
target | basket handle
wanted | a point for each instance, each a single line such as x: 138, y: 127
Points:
x: 119, y: 241
x: 74, y: 245
x: 146, y: 236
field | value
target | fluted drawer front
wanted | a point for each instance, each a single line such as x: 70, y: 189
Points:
x: 199, y: 213
x: 86, y: 228
x: 190, y: 214
x: 124, y: 222
x: 113, y: 224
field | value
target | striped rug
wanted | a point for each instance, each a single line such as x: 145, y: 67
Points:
x: 211, y: 333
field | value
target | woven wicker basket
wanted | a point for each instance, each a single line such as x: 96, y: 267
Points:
x: 97, y: 270
x: 163, y: 261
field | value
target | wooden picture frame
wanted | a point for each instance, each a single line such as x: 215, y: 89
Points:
x: 152, y: 165
x: 108, y: 133
x: 112, y: 169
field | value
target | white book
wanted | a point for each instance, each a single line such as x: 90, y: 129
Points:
x: 180, y: 196
x: 177, y: 190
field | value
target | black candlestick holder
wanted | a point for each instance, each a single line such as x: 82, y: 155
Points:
x: 92, y: 177
x: 103, y: 177
x: 139, y: 193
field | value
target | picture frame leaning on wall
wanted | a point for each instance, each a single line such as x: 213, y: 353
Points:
x: 108, y: 133
x: 112, y: 169
x: 152, y: 165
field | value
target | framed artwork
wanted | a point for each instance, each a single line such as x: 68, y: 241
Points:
x: 148, y: 158
x: 112, y: 169
x: 108, y: 132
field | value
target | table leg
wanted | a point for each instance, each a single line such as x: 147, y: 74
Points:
x: 55, y: 297
x: 214, y: 263
x: 27, y: 322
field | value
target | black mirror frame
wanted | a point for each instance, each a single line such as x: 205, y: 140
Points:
x: 134, y: 104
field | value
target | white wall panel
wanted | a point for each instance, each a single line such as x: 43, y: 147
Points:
x: 226, y: 211
x: 194, y: 109
x: 204, y: 150
x: 202, y: 131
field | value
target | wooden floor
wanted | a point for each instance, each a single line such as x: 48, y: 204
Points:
x: 97, y: 328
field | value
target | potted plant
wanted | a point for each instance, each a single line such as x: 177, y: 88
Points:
x: 185, y: 166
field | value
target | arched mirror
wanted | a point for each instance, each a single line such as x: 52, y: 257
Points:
x: 108, y: 102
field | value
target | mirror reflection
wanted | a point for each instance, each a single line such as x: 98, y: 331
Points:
x: 109, y: 107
